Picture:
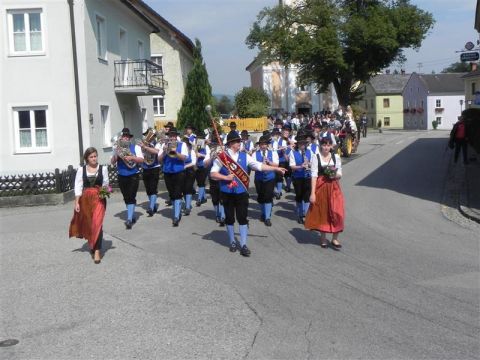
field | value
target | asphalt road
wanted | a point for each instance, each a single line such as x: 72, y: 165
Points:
x: 404, y: 286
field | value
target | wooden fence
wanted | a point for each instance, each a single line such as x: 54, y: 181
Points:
x: 250, y: 124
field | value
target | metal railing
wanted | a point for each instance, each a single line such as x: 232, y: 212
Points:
x: 142, y: 75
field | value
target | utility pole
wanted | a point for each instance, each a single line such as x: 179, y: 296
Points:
x: 419, y: 65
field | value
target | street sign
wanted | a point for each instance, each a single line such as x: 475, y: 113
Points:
x: 469, y: 45
x: 470, y: 56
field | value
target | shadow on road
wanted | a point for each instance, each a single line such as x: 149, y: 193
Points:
x: 106, y: 246
x: 417, y: 171
x: 305, y: 237
x: 122, y: 215
x: 218, y: 236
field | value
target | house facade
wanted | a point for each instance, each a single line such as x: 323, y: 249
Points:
x: 173, y: 51
x: 280, y: 84
x: 472, y: 79
x: 382, y: 100
x: 433, y: 97
x: 74, y: 73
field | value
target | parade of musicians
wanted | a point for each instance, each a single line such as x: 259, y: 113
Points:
x: 241, y: 179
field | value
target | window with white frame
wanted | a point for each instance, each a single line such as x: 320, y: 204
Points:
x: 106, y: 126
x: 141, y: 51
x: 439, y: 120
x: 157, y: 59
x: 386, y: 121
x: 101, y: 34
x: 25, y: 31
x: 159, y: 106
x: 31, y: 129
x: 438, y: 103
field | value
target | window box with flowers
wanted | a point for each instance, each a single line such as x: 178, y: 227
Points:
x: 413, y: 110
x: 419, y: 110
x: 406, y: 111
x: 439, y: 110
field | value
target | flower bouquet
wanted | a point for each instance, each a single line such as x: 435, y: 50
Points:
x: 104, y: 192
x: 330, y: 172
x: 233, y: 184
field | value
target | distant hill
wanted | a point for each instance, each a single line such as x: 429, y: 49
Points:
x: 219, y: 96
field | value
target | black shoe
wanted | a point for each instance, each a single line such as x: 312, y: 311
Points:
x: 278, y: 196
x: 262, y: 218
x: 245, y: 251
x: 186, y: 212
x: 268, y: 222
x: 175, y: 222
x: 155, y: 209
x: 134, y: 220
x: 300, y: 220
x: 233, y: 247
x: 323, y: 243
x: 217, y: 219
x: 288, y: 189
x: 128, y: 224
x: 168, y: 202
x: 150, y: 212
x: 204, y: 201
x: 222, y: 222
x: 336, y: 246
x: 199, y: 203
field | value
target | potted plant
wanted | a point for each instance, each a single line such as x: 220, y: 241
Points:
x: 379, y: 125
x: 434, y: 124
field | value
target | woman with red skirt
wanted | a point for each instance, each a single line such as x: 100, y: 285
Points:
x: 89, y: 207
x: 326, y: 212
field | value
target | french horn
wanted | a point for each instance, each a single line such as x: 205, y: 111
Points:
x: 121, y: 148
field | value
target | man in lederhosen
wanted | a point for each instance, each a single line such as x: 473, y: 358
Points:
x: 173, y: 156
x: 151, y: 172
x: 265, y: 180
x: 214, y: 184
x: 127, y: 166
x: 283, y: 146
x: 189, y: 133
x: 233, y: 191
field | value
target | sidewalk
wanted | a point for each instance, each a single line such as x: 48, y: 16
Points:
x: 469, y: 202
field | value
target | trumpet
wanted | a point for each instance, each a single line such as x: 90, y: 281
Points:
x: 171, y: 148
x: 122, y: 149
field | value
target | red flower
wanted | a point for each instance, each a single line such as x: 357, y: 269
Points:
x: 232, y: 184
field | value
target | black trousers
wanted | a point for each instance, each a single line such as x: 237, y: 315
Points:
x: 461, y: 144
x: 278, y: 176
x: 201, y: 176
x: 175, y: 183
x: 302, y: 188
x: 150, y: 180
x: 129, y: 187
x: 189, y: 181
x: 265, y: 191
x: 364, y: 130
x: 98, y: 244
x: 215, y: 191
x: 235, y: 205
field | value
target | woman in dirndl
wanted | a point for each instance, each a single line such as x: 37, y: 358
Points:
x: 89, y: 207
x: 326, y: 212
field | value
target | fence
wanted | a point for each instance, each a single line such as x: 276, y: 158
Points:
x: 56, y: 182
x: 250, y: 124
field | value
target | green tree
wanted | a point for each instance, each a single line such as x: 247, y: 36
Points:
x: 339, y: 42
x: 250, y: 102
x: 458, y: 67
x: 198, y: 94
x: 224, y: 105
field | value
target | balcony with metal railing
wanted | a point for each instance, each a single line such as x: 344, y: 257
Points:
x: 139, y: 77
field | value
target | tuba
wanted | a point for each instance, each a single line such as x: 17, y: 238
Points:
x: 122, y: 149
x: 148, y: 141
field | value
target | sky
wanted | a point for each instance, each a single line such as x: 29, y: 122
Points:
x: 223, y: 25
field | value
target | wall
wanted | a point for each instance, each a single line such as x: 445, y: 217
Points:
x: 450, y: 113
x: 415, y: 97
x: 39, y: 80
x: 469, y: 96
x: 394, y: 111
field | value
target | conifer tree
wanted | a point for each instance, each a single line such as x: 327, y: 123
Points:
x: 198, y: 94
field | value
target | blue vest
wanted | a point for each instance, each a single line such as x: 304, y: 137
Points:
x: 188, y: 160
x: 192, y: 138
x: 301, y: 174
x: 173, y: 165
x: 264, y: 175
x: 242, y: 161
x: 248, y: 145
x: 201, y: 159
x: 313, y: 148
x: 124, y: 170
x: 282, y: 154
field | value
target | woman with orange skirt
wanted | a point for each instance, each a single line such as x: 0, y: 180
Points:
x: 89, y: 206
x: 326, y: 212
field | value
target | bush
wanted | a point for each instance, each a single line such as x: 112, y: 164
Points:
x: 434, y: 124
x: 250, y: 102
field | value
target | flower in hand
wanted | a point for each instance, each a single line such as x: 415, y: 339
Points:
x: 105, y: 192
x: 330, y: 172
x: 233, y: 184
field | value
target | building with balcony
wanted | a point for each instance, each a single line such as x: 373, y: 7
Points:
x: 74, y: 73
x: 433, y: 97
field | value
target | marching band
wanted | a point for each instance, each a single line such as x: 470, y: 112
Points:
x: 278, y: 155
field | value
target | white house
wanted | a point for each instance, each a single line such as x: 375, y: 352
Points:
x: 433, y: 97
x: 74, y: 73
x: 280, y: 84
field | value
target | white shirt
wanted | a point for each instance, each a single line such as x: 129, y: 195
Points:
x: 275, y: 160
x: 79, y: 178
x: 251, y: 162
x: 194, y: 159
x: 314, y: 164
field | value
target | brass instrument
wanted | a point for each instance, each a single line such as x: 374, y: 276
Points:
x: 306, y: 163
x: 148, y: 141
x: 200, y: 144
x: 171, y: 148
x: 121, y: 148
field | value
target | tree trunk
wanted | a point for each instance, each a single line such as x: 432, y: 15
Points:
x: 342, y: 88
